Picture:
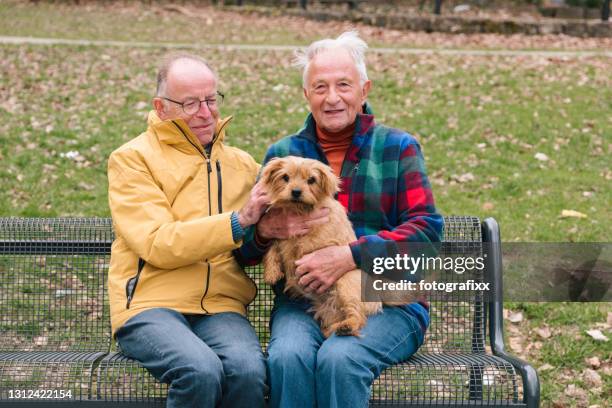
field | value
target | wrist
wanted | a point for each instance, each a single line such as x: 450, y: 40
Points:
x: 237, y: 229
x: 260, y: 240
x: 348, y: 254
x: 355, y: 250
x: 263, y: 229
x: 242, y: 220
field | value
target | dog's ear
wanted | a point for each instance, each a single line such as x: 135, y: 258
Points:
x: 271, y: 170
x: 329, y: 181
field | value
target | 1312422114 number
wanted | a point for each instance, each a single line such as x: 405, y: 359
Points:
x: 39, y: 394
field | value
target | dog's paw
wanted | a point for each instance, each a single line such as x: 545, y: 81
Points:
x: 350, y: 326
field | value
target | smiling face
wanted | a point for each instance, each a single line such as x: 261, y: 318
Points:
x: 333, y: 90
x: 189, y: 79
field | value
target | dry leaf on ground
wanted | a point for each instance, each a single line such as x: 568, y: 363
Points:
x: 541, y: 157
x: 575, y: 392
x: 593, y: 362
x: 488, y: 206
x: 572, y: 214
x: 543, y: 332
x: 515, y: 317
x: 546, y: 367
x: 597, y: 335
x: 516, y: 344
x: 592, y: 378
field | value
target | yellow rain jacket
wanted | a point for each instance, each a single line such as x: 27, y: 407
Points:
x: 171, y: 206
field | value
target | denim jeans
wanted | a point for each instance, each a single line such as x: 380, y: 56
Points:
x: 307, y: 370
x: 208, y: 360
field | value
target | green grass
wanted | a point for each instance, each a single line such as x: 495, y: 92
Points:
x: 199, y: 24
x: 138, y: 22
x: 486, y: 116
x: 567, y: 349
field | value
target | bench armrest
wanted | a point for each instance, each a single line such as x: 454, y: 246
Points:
x: 492, y: 241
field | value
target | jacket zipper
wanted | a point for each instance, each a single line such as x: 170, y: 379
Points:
x: 219, y: 188
x: 207, y: 284
x: 130, y: 286
x: 219, y: 199
x: 208, y: 171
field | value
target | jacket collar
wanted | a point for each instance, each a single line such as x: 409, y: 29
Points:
x: 364, y: 123
x: 176, y: 132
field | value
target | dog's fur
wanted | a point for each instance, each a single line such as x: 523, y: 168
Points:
x: 303, y: 185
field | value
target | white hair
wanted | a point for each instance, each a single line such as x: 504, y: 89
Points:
x: 349, y: 41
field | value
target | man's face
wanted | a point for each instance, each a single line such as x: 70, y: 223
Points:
x: 190, y: 80
x: 333, y: 90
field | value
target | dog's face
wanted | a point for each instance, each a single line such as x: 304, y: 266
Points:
x: 298, y: 182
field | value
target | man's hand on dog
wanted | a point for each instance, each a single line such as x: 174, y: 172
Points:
x: 277, y: 224
x: 319, y: 270
x: 255, y: 207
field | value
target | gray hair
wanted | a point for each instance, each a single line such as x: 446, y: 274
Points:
x: 349, y: 41
x: 167, y: 63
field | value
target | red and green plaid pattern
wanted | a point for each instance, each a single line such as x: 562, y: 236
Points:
x: 384, y: 187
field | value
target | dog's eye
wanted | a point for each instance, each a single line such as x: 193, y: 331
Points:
x: 311, y: 180
x: 286, y: 178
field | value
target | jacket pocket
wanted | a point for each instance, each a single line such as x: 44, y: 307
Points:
x: 130, y: 286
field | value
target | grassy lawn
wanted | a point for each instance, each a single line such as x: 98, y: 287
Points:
x: 134, y: 21
x: 481, y: 121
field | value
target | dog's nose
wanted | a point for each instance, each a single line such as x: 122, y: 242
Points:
x: 296, y: 193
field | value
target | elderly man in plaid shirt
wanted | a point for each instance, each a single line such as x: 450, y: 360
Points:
x: 385, y: 189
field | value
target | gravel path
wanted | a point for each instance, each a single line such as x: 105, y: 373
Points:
x: 251, y: 47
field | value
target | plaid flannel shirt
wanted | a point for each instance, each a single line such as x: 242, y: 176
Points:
x: 384, y: 188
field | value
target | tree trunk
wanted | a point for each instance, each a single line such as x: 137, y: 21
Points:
x: 438, y: 7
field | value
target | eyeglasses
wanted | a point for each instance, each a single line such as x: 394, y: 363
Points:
x: 192, y: 106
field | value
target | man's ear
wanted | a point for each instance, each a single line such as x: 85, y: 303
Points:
x: 305, y: 93
x: 158, y: 105
x: 366, y: 89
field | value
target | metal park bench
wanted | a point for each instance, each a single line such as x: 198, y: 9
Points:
x: 56, y: 346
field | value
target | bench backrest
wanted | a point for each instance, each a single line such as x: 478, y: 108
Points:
x: 53, y: 288
x: 53, y: 284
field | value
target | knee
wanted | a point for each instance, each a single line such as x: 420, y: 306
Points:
x: 290, y: 356
x: 340, y: 361
x: 247, y: 368
x: 203, y: 375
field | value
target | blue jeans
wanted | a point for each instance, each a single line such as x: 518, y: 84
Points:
x: 208, y: 360
x: 307, y: 370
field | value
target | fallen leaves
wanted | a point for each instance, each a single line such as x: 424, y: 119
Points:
x: 543, y: 332
x: 546, y: 367
x: 515, y: 317
x: 462, y: 178
x: 597, y: 335
x: 572, y: 214
x: 576, y: 392
x: 591, y: 378
x: 488, y: 206
x: 516, y: 344
x: 541, y: 157
x: 593, y: 362
x: 41, y: 341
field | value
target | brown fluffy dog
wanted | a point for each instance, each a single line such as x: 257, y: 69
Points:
x: 303, y: 185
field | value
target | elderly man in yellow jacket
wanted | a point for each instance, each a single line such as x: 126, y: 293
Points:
x: 180, y: 200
